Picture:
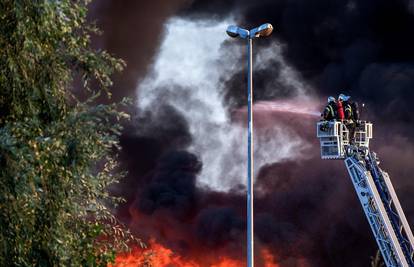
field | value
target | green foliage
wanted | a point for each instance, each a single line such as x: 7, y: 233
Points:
x: 377, y: 261
x: 56, y: 152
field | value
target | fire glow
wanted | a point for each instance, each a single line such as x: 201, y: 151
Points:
x: 157, y: 255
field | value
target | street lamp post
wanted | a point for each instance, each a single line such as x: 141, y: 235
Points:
x: 261, y: 31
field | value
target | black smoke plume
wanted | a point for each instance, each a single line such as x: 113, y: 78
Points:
x: 132, y: 31
x: 306, y: 209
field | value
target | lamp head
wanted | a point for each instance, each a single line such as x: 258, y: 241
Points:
x: 234, y: 31
x: 263, y: 30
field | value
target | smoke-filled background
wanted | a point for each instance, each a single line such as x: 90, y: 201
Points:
x: 185, y: 149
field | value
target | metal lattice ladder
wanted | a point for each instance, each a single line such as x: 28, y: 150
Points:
x: 375, y: 192
x: 387, y: 235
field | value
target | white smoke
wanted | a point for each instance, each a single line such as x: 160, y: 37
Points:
x: 287, y: 76
x: 188, y: 73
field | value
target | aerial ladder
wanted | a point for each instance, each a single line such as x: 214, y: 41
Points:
x: 373, y: 187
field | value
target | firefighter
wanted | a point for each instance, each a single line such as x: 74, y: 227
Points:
x: 329, y: 113
x: 340, y: 115
x: 351, y: 108
x: 348, y: 111
x: 350, y: 119
x: 354, y: 110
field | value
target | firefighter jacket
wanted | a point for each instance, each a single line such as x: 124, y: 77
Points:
x: 329, y: 113
x: 340, y: 111
x: 347, y: 110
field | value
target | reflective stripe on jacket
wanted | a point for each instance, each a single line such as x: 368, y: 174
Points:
x: 347, y: 110
x: 329, y: 111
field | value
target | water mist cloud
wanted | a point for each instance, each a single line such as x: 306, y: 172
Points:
x: 191, y: 73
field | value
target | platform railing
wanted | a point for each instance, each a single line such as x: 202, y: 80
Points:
x: 335, y: 137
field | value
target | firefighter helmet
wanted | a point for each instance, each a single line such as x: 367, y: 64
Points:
x: 343, y: 97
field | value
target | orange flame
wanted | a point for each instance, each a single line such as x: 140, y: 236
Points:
x: 160, y: 256
x: 156, y: 255
x: 228, y: 263
x: 269, y: 258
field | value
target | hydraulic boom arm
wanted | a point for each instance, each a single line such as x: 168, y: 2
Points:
x: 374, y: 190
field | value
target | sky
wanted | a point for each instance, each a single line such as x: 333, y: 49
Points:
x: 185, y: 149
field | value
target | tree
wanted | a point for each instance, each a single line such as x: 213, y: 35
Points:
x: 377, y: 261
x: 56, y: 152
